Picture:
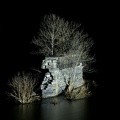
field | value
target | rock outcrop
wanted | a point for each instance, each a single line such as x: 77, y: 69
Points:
x: 58, y: 77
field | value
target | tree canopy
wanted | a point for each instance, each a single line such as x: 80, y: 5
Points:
x: 59, y: 37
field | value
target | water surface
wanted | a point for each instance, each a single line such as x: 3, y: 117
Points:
x: 84, y: 109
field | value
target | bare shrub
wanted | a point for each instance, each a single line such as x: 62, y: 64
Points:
x: 78, y: 93
x: 22, y: 88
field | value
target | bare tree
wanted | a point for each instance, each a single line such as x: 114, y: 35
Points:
x: 79, y: 53
x: 58, y: 37
x: 79, y: 48
x: 22, y: 88
x: 54, y: 35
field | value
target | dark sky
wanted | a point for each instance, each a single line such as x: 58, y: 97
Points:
x: 20, y: 22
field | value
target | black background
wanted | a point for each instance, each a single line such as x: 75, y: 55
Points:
x: 20, y: 22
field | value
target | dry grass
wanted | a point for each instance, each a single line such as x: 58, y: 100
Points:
x: 79, y: 92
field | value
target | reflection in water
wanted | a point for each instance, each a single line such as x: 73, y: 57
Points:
x: 63, y: 110
x: 74, y: 110
x: 26, y: 112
